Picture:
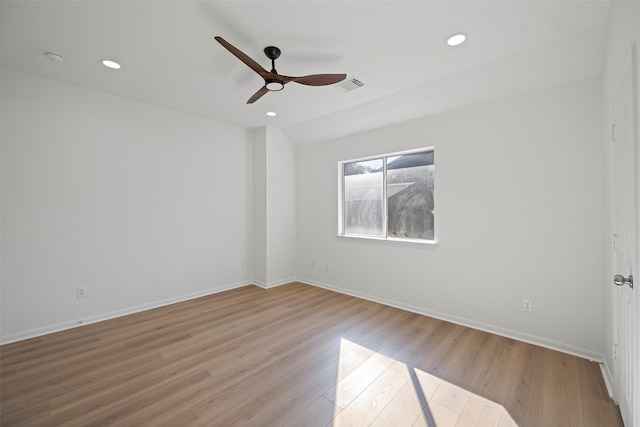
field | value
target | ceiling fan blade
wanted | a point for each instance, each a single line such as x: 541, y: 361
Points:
x: 258, y: 95
x: 317, y: 79
x: 242, y: 57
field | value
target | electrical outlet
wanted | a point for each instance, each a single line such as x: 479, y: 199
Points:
x: 313, y: 264
x: 326, y: 268
x: 242, y: 266
x: 527, y: 306
x: 81, y: 292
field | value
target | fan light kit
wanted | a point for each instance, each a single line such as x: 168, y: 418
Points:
x: 274, y: 85
x: 111, y: 64
x: 272, y: 80
x: 271, y: 113
x: 456, y: 39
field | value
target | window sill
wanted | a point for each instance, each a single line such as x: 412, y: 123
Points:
x: 388, y: 239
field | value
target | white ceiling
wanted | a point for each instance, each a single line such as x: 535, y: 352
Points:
x: 397, y: 48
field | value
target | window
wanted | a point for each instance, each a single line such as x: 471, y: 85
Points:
x: 388, y: 196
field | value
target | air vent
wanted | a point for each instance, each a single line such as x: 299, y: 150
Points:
x: 350, y: 84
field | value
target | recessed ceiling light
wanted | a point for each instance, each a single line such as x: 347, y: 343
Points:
x: 271, y: 113
x: 56, y: 57
x: 111, y: 64
x: 456, y: 39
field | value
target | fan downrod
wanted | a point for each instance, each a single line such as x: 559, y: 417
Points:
x: 273, y: 53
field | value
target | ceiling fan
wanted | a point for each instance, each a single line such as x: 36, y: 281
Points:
x: 272, y: 80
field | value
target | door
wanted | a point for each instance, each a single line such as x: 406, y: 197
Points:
x: 625, y: 261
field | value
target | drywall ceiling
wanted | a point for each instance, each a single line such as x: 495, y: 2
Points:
x: 396, y: 48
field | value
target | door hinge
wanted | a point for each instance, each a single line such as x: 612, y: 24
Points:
x: 615, y: 352
x: 613, y: 132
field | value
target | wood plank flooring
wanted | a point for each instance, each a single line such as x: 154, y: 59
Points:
x: 295, y: 355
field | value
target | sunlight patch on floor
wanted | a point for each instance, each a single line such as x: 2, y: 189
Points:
x: 378, y: 390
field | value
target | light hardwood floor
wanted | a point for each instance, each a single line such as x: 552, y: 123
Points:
x: 295, y: 355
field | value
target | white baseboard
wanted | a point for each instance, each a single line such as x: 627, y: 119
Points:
x: 531, y: 339
x: 274, y: 284
x: 508, y: 333
x: 32, y: 333
x: 608, y: 379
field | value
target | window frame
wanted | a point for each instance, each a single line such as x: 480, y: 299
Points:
x: 341, y: 193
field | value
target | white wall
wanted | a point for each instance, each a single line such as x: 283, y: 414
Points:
x: 139, y: 204
x: 274, y: 209
x: 259, y: 143
x: 281, y: 208
x: 519, y: 199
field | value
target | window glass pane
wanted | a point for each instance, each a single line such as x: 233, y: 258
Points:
x: 363, y: 198
x: 410, y: 196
